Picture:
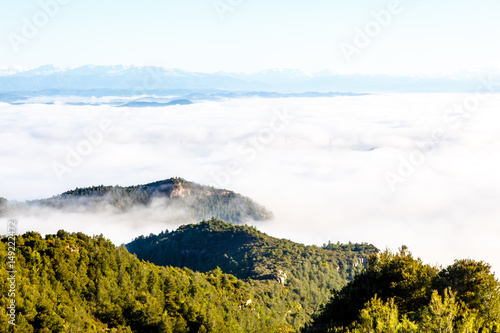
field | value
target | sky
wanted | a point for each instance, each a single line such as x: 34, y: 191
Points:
x: 387, y: 169
x: 406, y: 37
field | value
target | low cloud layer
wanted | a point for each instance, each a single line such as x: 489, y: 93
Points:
x: 413, y: 169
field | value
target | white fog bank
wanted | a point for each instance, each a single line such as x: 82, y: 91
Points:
x: 413, y: 169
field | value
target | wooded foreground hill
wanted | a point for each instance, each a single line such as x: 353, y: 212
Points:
x: 71, y: 282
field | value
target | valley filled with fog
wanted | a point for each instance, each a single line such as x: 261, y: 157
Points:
x: 387, y: 169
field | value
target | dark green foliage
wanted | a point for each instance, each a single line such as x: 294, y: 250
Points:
x: 399, y: 293
x: 244, y: 251
x: 474, y: 285
x: 312, y: 272
x: 196, y: 201
x: 398, y: 276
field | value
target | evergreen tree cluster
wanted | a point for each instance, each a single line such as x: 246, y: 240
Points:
x: 398, y: 293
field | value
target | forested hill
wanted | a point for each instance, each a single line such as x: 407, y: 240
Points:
x: 193, y: 201
x: 71, y: 282
x: 308, y: 272
x: 246, y: 252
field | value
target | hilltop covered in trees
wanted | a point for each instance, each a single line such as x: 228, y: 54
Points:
x: 193, y: 201
x: 310, y: 272
x: 246, y: 252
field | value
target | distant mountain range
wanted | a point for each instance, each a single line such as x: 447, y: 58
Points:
x: 163, y: 98
x: 142, y: 104
x: 194, y: 201
x: 150, y: 80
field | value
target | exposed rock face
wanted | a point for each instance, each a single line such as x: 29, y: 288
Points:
x: 281, y: 277
x: 179, y: 191
x: 359, y: 261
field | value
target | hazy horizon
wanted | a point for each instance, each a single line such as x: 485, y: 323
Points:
x: 399, y: 37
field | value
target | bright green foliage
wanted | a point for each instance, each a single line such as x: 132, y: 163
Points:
x: 70, y: 282
x: 75, y: 283
x: 404, y: 295
x: 378, y: 317
x: 441, y: 313
x: 312, y: 272
x: 196, y: 201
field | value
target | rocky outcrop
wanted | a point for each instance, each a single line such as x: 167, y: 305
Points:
x: 178, y: 190
x: 359, y: 261
x: 281, y: 277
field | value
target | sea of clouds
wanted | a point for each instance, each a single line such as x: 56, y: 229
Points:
x: 387, y: 169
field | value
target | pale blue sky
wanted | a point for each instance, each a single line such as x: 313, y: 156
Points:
x: 426, y: 38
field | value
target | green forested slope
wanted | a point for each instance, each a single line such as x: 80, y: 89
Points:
x: 311, y: 272
x: 75, y: 283
x: 246, y: 252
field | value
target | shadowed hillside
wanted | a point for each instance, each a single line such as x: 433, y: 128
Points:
x: 192, y: 201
